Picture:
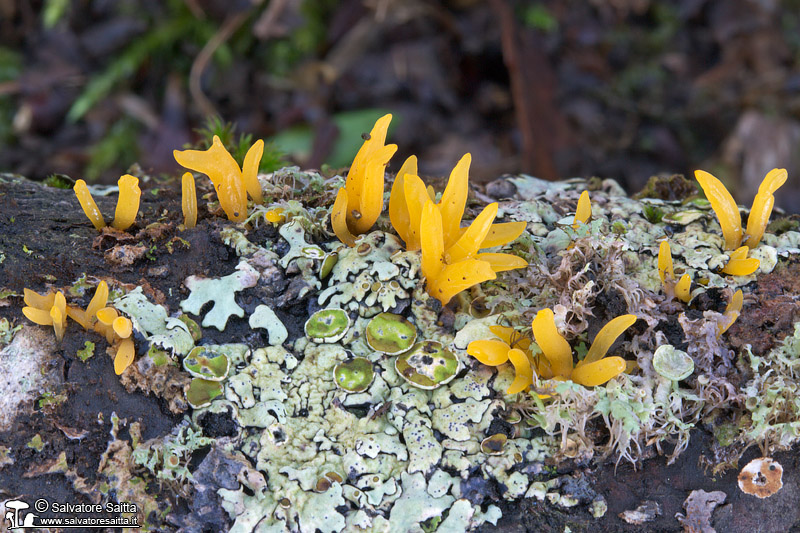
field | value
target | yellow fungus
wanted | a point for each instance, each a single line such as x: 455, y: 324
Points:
x: 124, y: 356
x: 762, y: 206
x: 79, y: 315
x: 127, y: 203
x: 107, y: 315
x: 122, y: 327
x: 39, y: 301
x: 458, y: 277
x: 511, y: 336
x: 732, y: 311
x: 683, y: 288
x: 223, y: 171
x: 605, y: 338
x: 432, y: 243
x: 252, y: 160
x: 724, y: 206
x: 398, y: 210
x: 502, y: 262
x: 38, y: 316
x: 584, y: 211
x: 416, y: 197
x: 467, y: 245
x: 275, y: 215
x: 454, y: 200
x: 189, y: 200
x: 88, y: 204
x: 489, y: 352
x: 339, y: 219
x: 58, y: 322
x: 599, y: 372
x: 739, y: 264
x: 502, y: 233
x: 522, y: 369
x: 554, y: 347
x: 665, y: 262
x: 98, y: 301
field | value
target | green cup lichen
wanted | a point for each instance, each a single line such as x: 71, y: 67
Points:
x: 390, y: 334
x: 327, y: 325
x: 354, y: 375
x: 205, y: 364
x: 672, y: 363
x: 427, y: 365
x: 202, y: 391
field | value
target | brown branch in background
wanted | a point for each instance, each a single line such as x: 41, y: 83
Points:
x: 267, y: 25
x: 227, y: 29
x: 532, y: 89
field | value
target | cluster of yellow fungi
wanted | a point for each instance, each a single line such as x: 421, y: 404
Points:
x: 550, y: 356
x: 679, y: 289
x: 52, y: 310
x: 730, y: 220
x: 127, y: 204
x: 451, y: 261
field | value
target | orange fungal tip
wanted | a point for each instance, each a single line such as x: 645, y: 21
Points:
x: 189, y: 200
x: 724, y: 206
x: 489, y: 352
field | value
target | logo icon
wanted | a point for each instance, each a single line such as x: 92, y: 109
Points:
x: 13, y: 508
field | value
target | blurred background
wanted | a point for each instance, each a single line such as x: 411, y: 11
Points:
x: 624, y: 89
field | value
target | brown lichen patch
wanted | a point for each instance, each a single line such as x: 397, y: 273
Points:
x: 125, y: 254
x: 166, y: 381
x: 699, y: 506
x: 770, y: 311
x: 761, y: 477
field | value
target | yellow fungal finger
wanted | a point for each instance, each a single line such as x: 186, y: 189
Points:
x: 454, y: 200
x: 431, y: 241
x: 122, y: 327
x: 61, y: 303
x: 554, y: 347
x: 489, y: 352
x: 605, y: 338
x: 523, y: 370
x: 398, y: 210
x: 458, y: 277
x: 275, y: 215
x: 339, y: 219
x: 79, y: 315
x: 38, y: 316
x: 88, y: 204
x: 683, y: 288
x: 371, y: 198
x: 431, y: 193
x: 502, y: 262
x: 124, y: 356
x: 759, y: 218
x: 39, y: 301
x: 731, y: 313
x: 127, y: 203
x: 599, y: 372
x: 467, y: 245
x: 724, y: 206
x: 665, y: 262
x: 252, y: 160
x: 584, y: 211
x: 416, y: 198
x: 189, y: 200
x: 503, y: 233
x: 511, y: 337
x: 58, y: 321
x: 107, y: 315
x: 98, y: 301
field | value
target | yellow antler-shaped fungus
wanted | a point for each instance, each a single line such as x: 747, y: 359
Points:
x: 359, y: 203
x: 497, y: 352
x: 231, y: 183
x: 46, y: 310
x: 88, y: 204
x: 731, y: 313
x: 127, y: 203
x: 554, y: 347
x: 762, y: 206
